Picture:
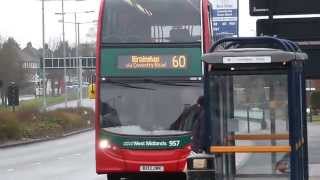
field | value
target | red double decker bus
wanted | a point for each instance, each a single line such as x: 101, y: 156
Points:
x: 149, y: 71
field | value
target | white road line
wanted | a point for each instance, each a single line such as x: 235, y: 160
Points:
x: 36, y: 163
x: 10, y: 170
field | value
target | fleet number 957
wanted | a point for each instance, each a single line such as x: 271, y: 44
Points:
x: 174, y: 143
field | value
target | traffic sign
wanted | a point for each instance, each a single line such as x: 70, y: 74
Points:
x: 225, y: 18
x: 303, y: 32
x: 295, y: 29
x: 311, y: 67
x: 283, y: 7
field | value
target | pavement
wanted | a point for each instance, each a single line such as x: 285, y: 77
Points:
x: 26, y: 97
x: 259, y: 163
x: 89, y: 103
x: 314, y: 152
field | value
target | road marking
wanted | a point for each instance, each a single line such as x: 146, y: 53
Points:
x: 76, y: 154
x: 36, y: 163
x: 10, y: 170
x: 314, y: 169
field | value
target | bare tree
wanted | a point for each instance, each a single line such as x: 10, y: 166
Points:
x: 92, y: 34
x: 58, y: 52
x: 1, y: 41
x: 87, y: 49
x: 53, y: 44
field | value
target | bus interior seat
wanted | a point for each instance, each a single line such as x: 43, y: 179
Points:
x: 179, y: 35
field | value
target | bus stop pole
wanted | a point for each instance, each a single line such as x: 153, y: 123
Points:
x: 44, y: 80
x: 248, y: 119
x: 64, y: 57
x: 272, y: 126
x: 309, y: 93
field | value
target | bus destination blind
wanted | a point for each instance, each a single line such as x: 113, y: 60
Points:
x: 177, y: 61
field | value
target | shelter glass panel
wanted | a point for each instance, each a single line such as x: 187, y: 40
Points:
x: 251, y: 110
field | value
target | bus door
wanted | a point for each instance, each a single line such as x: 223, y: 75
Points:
x: 255, y: 109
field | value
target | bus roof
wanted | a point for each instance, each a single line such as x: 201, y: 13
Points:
x: 252, y: 55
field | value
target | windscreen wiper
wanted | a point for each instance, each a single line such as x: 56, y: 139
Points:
x: 129, y: 85
x: 168, y: 83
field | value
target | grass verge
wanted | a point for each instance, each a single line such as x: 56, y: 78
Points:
x: 316, y: 118
x: 33, y: 124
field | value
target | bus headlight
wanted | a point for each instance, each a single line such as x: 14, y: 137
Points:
x: 200, y: 163
x: 104, y: 144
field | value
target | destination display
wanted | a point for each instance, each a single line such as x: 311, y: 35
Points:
x: 171, y: 61
x: 147, y: 142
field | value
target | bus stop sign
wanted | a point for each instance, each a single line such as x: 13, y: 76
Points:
x: 283, y: 7
x: 300, y: 30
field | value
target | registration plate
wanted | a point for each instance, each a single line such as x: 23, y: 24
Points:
x: 147, y: 168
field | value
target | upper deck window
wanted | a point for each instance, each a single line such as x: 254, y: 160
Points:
x: 151, y: 21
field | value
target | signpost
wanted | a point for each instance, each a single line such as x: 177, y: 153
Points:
x: 225, y: 18
x: 300, y: 30
x: 295, y: 29
x: 283, y: 7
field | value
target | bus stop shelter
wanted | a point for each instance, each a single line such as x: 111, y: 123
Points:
x: 255, y: 109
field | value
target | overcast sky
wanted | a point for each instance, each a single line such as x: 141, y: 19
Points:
x: 22, y: 20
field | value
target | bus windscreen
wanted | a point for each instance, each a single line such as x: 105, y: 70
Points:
x: 148, y: 107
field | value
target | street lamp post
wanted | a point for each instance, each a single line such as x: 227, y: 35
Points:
x: 80, y: 63
x: 77, y: 42
x: 43, y: 61
x: 64, y: 58
x: 64, y: 55
x: 80, y: 70
x: 79, y: 60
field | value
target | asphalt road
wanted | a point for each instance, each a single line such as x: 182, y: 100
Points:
x: 70, y: 158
